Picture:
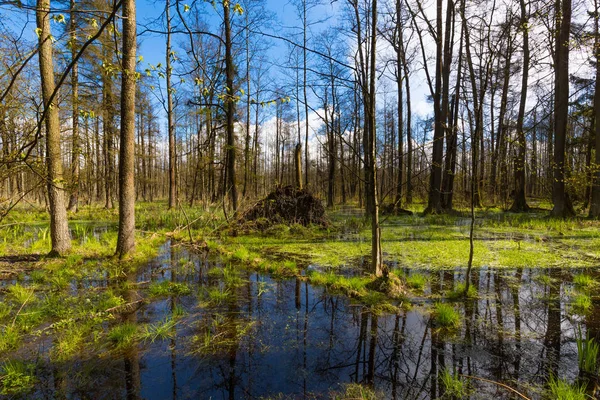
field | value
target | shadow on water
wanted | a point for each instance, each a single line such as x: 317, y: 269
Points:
x: 245, y: 335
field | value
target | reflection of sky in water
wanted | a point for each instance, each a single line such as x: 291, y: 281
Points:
x: 304, y: 342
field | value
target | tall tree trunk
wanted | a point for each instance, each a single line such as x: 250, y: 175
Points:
x: 595, y: 206
x: 76, y: 151
x: 447, y: 183
x: 409, y: 140
x: 59, y: 227
x: 562, y: 205
x: 399, y: 57
x: 170, y: 119
x: 452, y: 139
x: 376, y: 253
x: 248, y: 102
x: 304, y: 83
x: 434, y: 202
x: 126, y: 237
x: 520, y: 202
x: 231, y: 187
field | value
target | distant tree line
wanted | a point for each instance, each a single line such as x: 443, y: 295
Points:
x: 83, y: 120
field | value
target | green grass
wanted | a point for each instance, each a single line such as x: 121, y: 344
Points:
x: 459, y: 292
x: 123, y: 336
x: 582, y: 303
x: 584, y: 281
x: 17, y: 377
x: 562, y: 390
x: 168, y: 288
x: 355, y: 391
x: 417, y: 281
x: 454, y: 386
x: 445, y: 316
x: 159, y: 331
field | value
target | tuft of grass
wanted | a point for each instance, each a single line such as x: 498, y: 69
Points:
x: 417, y: 281
x: 355, y: 391
x: 168, y: 288
x: 231, y: 276
x: 454, y: 386
x: 241, y: 254
x: 582, y: 303
x: 544, y: 279
x: 562, y: 390
x: 584, y: 281
x: 445, y: 316
x: 123, y: 336
x: 5, y: 310
x: 10, y: 338
x: 459, y: 292
x: 159, y: 331
x: 17, y: 378
x: 217, y: 295
x: 70, y: 341
x: 20, y: 294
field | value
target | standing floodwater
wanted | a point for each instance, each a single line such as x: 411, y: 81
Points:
x: 211, y: 330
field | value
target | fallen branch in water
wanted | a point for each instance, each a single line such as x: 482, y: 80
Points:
x: 497, y: 383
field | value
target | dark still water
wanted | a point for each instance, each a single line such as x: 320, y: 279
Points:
x: 245, y: 335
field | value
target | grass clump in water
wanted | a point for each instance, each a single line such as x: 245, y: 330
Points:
x: 159, y: 331
x: 584, y: 281
x: 123, y: 336
x: 582, y: 304
x: 17, y: 378
x: 445, y: 316
x: 561, y: 390
x: 459, y: 292
x: 454, y: 386
x: 168, y: 288
x: 417, y: 282
x: 355, y: 391
x: 217, y: 296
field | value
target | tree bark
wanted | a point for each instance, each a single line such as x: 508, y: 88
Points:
x: 59, y: 227
x: 126, y: 237
x: 76, y: 151
x: 170, y: 119
x: 434, y: 202
x: 520, y: 202
x: 562, y: 205
x: 595, y: 206
x: 231, y: 187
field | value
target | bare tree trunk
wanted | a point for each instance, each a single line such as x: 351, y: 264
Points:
x: 126, y: 237
x: 434, y: 202
x: 520, y: 202
x: 231, y: 187
x: 399, y: 61
x: 452, y: 141
x: 562, y: 205
x: 76, y: 151
x: 304, y: 83
x: 595, y: 206
x: 170, y: 119
x: 59, y: 227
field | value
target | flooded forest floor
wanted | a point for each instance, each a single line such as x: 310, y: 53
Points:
x: 206, y: 309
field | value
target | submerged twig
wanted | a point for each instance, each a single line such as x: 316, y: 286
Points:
x: 497, y: 383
